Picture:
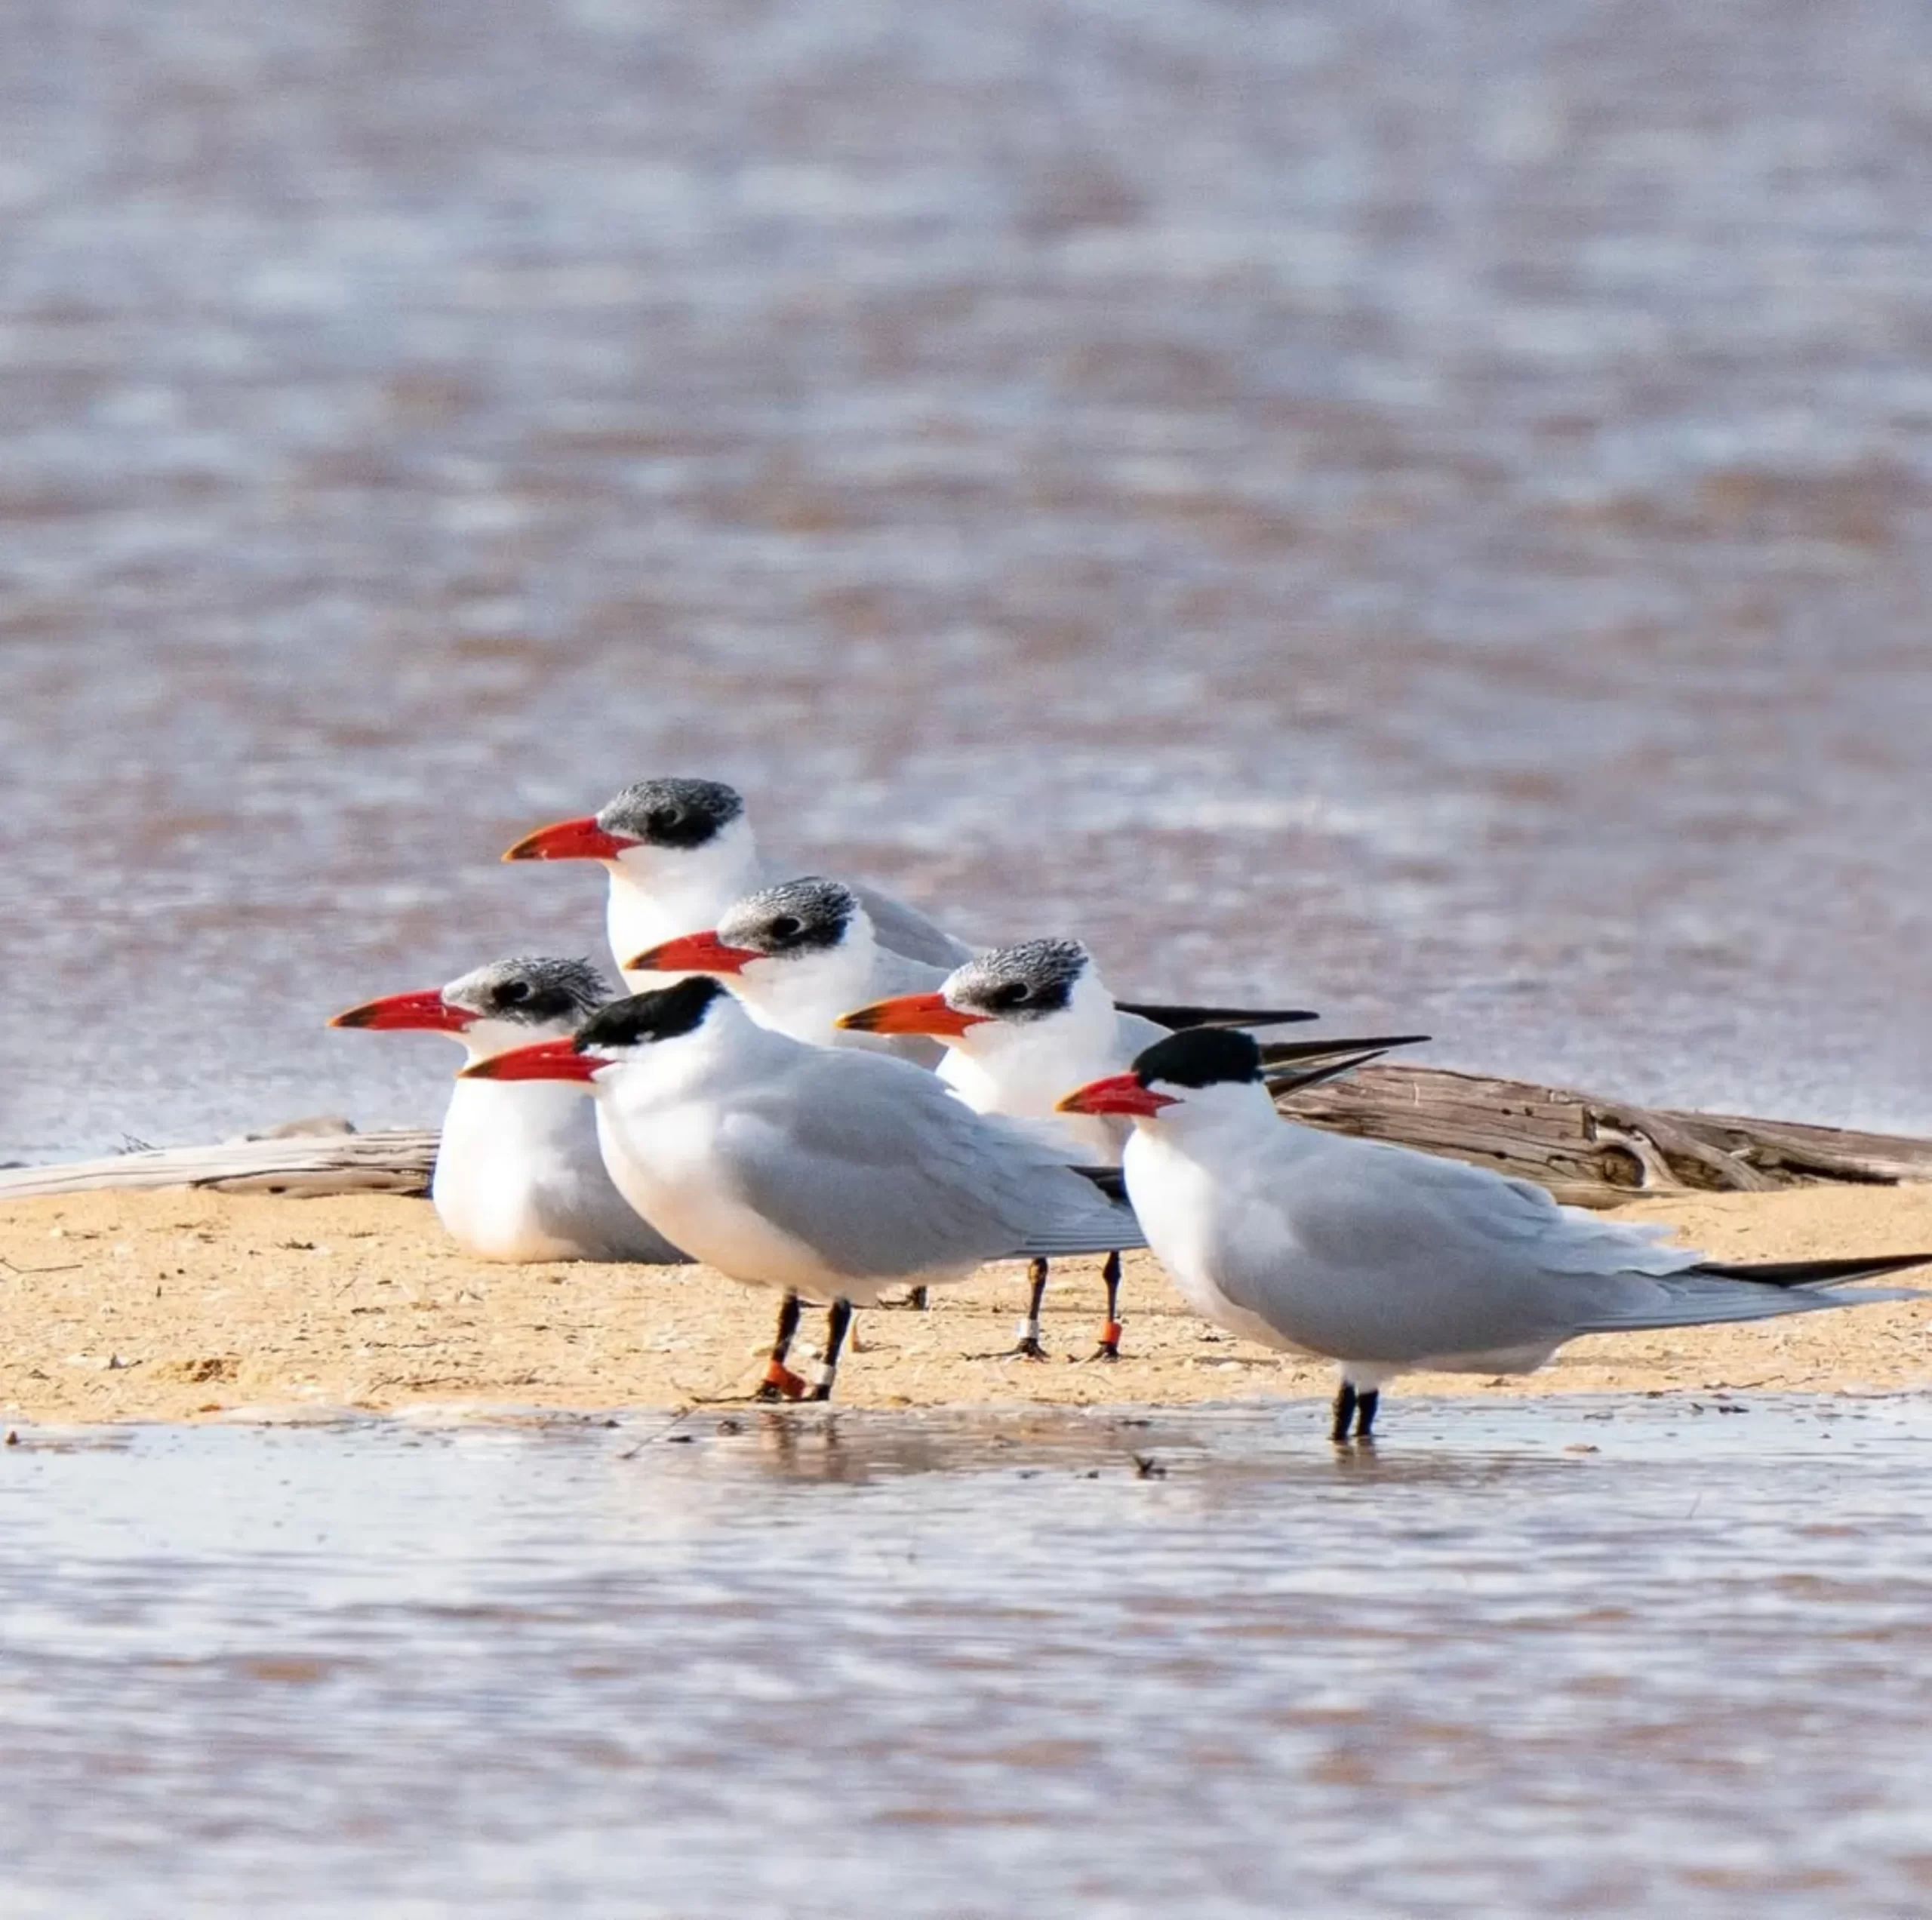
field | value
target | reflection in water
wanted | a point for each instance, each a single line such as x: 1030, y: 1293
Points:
x: 1453, y: 551
x: 1595, y: 1656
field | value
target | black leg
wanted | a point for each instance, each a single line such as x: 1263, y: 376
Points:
x: 1345, y: 1403
x: 1365, y: 1406
x: 780, y: 1382
x: 836, y: 1321
x: 1029, y: 1347
x: 919, y: 1300
x: 1110, y: 1347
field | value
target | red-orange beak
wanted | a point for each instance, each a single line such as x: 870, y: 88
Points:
x: 408, y: 1013
x: 570, y: 839
x: 693, y: 953
x: 1120, y: 1092
x: 547, y: 1059
x: 912, y: 1013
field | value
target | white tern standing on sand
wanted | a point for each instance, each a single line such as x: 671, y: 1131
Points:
x: 519, y: 1176
x: 832, y: 1174
x: 1386, y: 1259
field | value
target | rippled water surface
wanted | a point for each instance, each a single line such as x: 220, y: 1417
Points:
x: 1591, y: 1656
x: 1423, y: 507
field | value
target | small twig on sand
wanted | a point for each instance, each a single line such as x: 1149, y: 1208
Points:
x: 676, y: 1419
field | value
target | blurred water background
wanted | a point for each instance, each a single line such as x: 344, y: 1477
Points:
x: 1415, y: 505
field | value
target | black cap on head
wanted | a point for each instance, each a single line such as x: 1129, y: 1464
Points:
x: 640, y: 1018
x: 1025, y: 982
x: 1200, y: 1057
x: 805, y: 915
x: 680, y: 813
x: 532, y: 990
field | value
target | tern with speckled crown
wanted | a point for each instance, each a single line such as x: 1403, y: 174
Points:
x: 519, y: 1177
x: 678, y: 852
x: 797, y: 955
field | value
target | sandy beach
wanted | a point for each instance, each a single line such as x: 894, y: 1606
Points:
x: 184, y: 1304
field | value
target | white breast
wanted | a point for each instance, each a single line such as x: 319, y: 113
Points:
x: 1189, y: 1217
x: 1025, y: 1071
x: 659, y: 893
x: 662, y: 1158
x: 506, y: 1147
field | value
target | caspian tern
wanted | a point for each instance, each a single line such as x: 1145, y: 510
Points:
x: 834, y: 1175
x: 797, y: 956
x: 680, y: 851
x: 518, y: 1174
x: 1023, y: 1023
x: 1386, y: 1259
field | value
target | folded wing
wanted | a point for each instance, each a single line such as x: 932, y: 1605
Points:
x: 877, y: 1167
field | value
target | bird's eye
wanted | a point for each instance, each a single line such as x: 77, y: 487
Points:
x: 664, y: 820
x: 513, y: 993
x: 1014, y: 993
x: 787, y: 926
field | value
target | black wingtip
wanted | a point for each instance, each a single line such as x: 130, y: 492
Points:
x: 1110, y: 1181
x: 1279, y: 1084
x: 1177, y: 1017
x: 1811, y: 1273
x: 1289, y: 1053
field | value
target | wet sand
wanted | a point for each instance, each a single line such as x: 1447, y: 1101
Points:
x: 183, y: 1305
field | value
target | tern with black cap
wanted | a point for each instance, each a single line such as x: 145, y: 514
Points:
x: 831, y: 1175
x: 1387, y: 1260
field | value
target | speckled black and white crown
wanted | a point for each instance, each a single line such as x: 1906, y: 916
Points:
x: 805, y: 915
x: 675, y: 812
x: 532, y: 990
x: 1026, y: 982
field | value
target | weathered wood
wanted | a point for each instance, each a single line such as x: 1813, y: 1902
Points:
x: 397, y: 1161
x: 1593, y: 1151
x: 1599, y: 1152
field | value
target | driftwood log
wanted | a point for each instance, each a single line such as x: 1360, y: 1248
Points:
x: 396, y: 1161
x: 1594, y: 1152
x: 1597, y: 1153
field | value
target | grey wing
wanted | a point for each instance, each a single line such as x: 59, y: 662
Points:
x: 1691, y: 1299
x: 874, y: 1165
x: 610, y: 1229
x: 1384, y: 1202
x: 1350, y: 1253
x: 578, y: 1203
x: 906, y: 930
x: 1137, y: 1033
x: 894, y: 972
x: 1390, y: 1253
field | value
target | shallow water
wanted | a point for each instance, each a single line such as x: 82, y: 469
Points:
x: 1555, y: 1657
x: 1417, y: 507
